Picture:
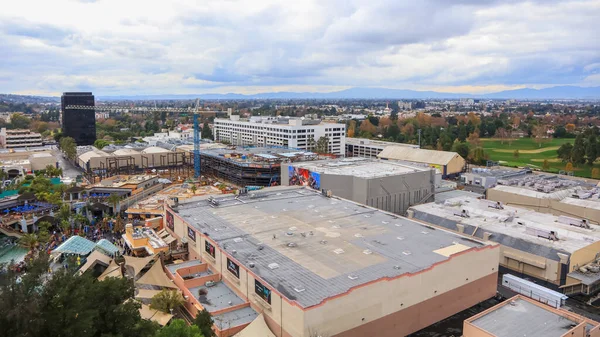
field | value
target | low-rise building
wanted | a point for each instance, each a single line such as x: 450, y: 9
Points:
x: 550, y: 249
x: 450, y: 164
x: 318, y: 265
x: 144, y: 241
x: 387, y: 185
x: 521, y: 316
x: 368, y: 148
x: 22, y: 138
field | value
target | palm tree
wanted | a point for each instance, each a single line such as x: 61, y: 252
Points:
x: 167, y: 300
x: 194, y: 188
x: 66, y: 226
x: 114, y: 199
x: 118, y: 228
x: 29, y: 241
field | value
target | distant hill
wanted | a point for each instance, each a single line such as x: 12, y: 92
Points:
x: 560, y: 92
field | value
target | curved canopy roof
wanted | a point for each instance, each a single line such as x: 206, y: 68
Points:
x: 125, y: 152
x: 92, y: 154
x: 154, y: 149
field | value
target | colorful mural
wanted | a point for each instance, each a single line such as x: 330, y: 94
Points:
x: 303, y: 177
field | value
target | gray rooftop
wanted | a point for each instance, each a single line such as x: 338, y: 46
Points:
x: 441, y: 197
x: 309, y: 247
x: 524, y: 319
x: 235, y: 318
x: 362, y: 167
x: 219, y: 296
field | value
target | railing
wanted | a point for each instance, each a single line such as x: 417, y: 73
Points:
x: 140, y: 196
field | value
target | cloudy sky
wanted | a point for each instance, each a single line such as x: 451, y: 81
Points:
x: 115, y: 47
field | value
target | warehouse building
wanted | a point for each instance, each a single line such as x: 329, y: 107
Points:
x: 250, y: 166
x: 280, y: 131
x: 521, y: 316
x: 550, y: 193
x: 368, y: 148
x: 560, y: 252
x: 317, y: 265
x: 389, y: 186
x: 450, y: 164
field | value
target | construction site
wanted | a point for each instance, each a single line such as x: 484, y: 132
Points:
x: 250, y: 166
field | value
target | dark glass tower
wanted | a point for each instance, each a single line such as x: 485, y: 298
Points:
x: 80, y: 124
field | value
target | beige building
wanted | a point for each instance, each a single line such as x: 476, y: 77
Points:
x: 522, y: 316
x: 449, y: 164
x: 368, y: 148
x: 315, y: 265
x: 550, y: 194
x: 561, y: 252
x: 21, y: 162
x: 10, y: 139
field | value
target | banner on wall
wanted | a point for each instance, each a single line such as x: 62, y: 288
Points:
x: 191, y: 233
x: 209, y: 248
x: 170, y: 222
x: 262, y: 291
x: 303, y: 177
x: 233, y: 268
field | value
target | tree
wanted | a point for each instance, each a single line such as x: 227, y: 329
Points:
x: 462, y: 133
x: 590, y: 149
x: 540, y: 134
x: 19, y: 121
x: 167, y: 300
x: 204, y: 321
x: 367, y: 127
x: 596, y: 173
x: 516, y: 154
x: 570, y: 127
x: 478, y: 156
x: 502, y: 134
x: 569, y: 167
x: 323, y: 145
x: 69, y: 147
x: 310, y: 143
x: 565, y: 152
x: 461, y: 148
x: 68, y: 304
x: 578, y: 153
x: 546, y: 165
x: 178, y: 328
x: 30, y: 241
x: 114, y: 199
x: 100, y: 143
x: 352, y: 128
x: 474, y: 138
x: 194, y: 188
x: 206, y: 131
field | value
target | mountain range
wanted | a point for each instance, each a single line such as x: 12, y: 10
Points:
x: 559, y: 92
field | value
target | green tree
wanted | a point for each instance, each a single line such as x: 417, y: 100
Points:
x: 323, y: 145
x: 194, y: 188
x: 178, y: 328
x: 478, y: 156
x: 461, y: 148
x: 114, y: 200
x: 167, y: 300
x: 206, y: 131
x: 565, y: 152
x: 100, y: 143
x: 516, y: 154
x: 578, y: 153
x: 29, y: 241
x: 590, y: 149
x: 69, y: 147
x: 19, y: 121
x: 205, y: 322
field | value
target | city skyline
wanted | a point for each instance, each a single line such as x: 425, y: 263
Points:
x: 141, y: 47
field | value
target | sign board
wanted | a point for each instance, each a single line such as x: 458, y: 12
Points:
x: 233, y: 268
x: 170, y: 222
x: 262, y: 291
x: 209, y: 248
x: 192, y: 233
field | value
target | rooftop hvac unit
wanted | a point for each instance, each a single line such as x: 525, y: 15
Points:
x: 542, y: 233
x: 583, y: 223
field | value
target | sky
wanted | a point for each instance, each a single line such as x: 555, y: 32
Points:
x: 149, y: 47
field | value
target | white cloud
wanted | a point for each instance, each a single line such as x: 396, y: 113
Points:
x: 181, y: 46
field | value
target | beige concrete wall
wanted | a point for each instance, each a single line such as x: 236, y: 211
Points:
x: 536, y: 204
x: 40, y: 163
x: 584, y: 256
x: 527, y: 263
x: 455, y: 165
x: 560, y: 208
x: 376, y: 300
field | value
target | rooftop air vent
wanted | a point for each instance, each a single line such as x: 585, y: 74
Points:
x: 238, y: 240
x: 339, y: 251
x: 358, y: 235
x: 400, y: 237
x: 323, y: 242
x: 299, y: 289
x: 367, y: 252
x: 397, y: 267
x: 289, y: 233
x: 251, y: 264
x: 292, y: 244
x: 406, y: 252
x: 273, y: 266
x: 352, y: 277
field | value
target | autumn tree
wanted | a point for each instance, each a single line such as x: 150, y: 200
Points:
x: 352, y: 128
x: 546, y: 165
x: 570, y: 127
x: 516, y: 154
x: 569, y: 167
x: 473, y: 138
x: 539, y: 134
x: 502, y: 134
x: 366, y: 127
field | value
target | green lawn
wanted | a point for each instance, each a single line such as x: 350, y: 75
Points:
x: 530, y: 153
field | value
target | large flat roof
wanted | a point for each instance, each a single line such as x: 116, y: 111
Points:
x: 523, y: 318
x: 510, y: 223
x: 397, y: 152
x: 245, y: 155
x: 309, y: 247
x: 375, y: 143
x: 361, y: 167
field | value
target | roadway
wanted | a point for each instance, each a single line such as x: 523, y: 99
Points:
x: 69, y: 170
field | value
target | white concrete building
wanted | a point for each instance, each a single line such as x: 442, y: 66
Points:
x: 282, y: 131
x: 19, y: 138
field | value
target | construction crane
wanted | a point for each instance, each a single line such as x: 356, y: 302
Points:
x: 196, y: 111
x: 197, y: 141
